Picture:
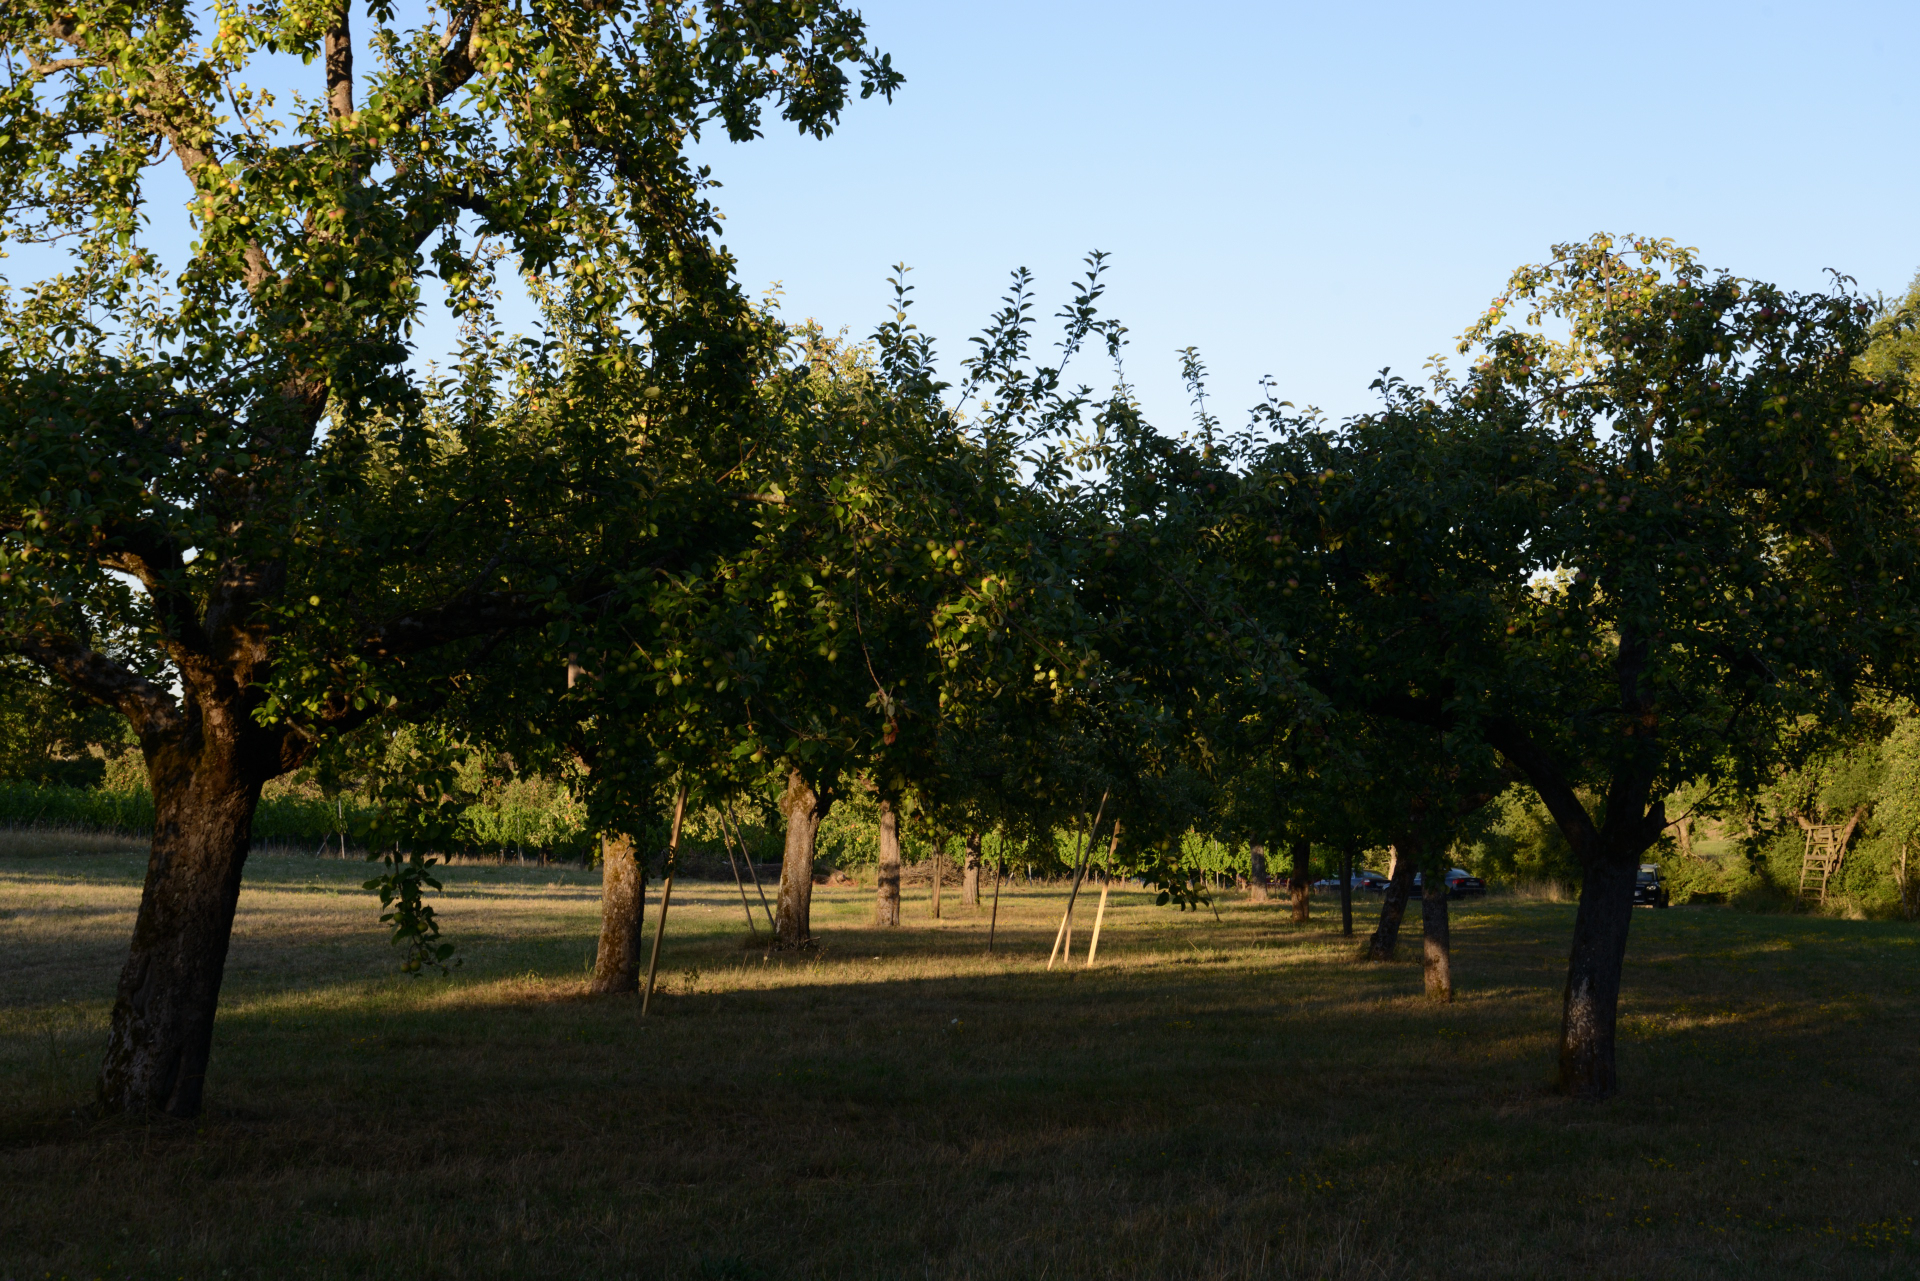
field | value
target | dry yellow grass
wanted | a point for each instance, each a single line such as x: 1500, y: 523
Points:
x: 56, y: 842
x: 1216, y: 1100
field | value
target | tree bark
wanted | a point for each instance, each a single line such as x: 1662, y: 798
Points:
x: 804, y: 808
x: 1609, y: 854
x: 970, y: 881
x: 160, y: 1035
x: 1257, y: 879
x: 1298, y: 883
x: 623, y: 904
x: 1437, y: 949
x: 886, y: 906
x: 1393, y: 903
x: 1592, y: 998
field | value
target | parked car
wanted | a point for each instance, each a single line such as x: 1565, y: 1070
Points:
x: 1460, y: 883
x: 1650, y: 888
x: 1363, y: 882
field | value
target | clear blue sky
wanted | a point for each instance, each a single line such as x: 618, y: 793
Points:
x: 1313, y: 191
x: 1316, y: 191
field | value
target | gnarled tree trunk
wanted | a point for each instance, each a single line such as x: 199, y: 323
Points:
x: 804, y: 808
x: 623, y: 907
x: 1609, y: 854
x: 970, y: 876
x: 1592, y: 998
x: 160, y: 1035
x: 1298, y: 883
x: 1393, y: 903
x: 1437, y: 950
x: 1257, y: 881
x: 886, y: 903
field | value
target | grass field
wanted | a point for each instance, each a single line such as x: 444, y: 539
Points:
x: 1231, y: 1099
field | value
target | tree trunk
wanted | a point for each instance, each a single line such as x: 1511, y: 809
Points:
x: 803, y: 808
x: 970, y: 884
x: 1258, y: 882
x: 1393, y: 903
x: 939, y: 876
x: 623, y: 904
x: 160, y: 1034
x: 1438, y: 953
x: 1298, y: 883
x: 886, y: 907
x: 1593, y: 978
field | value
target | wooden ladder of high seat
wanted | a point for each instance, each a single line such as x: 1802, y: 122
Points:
x: 1825, y: 849
x: 1820, y: 861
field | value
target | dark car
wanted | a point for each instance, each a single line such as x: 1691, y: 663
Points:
x: 1460, y: 884
x: 1363, y: 882
x: 1650, y: 888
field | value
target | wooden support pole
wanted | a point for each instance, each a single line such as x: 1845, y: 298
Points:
x: 741, y: 886
x: 1066, y: 917
x: 748, y: 860
x: 666, y: 897
x: 1000, y: 870
x: 1346, y: 890
x: 1093, y: 945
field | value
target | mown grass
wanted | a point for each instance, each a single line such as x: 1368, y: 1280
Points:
x: 1218, y: 1099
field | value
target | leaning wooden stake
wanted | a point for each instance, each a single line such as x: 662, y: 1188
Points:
x: 742, y: 887
x: 666, y: 897
x: 1061, y: 935
x: 745, y: 858
x: 1093, y: 946
x: 1000, y: 871
x: 1346, y: 891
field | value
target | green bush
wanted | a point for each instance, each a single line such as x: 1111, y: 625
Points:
x: 280, y: 819
x: 26, y: 804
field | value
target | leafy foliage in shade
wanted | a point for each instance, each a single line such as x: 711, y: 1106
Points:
x: 49, y: 734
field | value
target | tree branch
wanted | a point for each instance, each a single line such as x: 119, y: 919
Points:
x: 150, y: 708
x: 1518, y: 747
x: 339, y: 54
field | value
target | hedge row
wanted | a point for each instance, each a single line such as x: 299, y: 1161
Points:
x: 285, y: 819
